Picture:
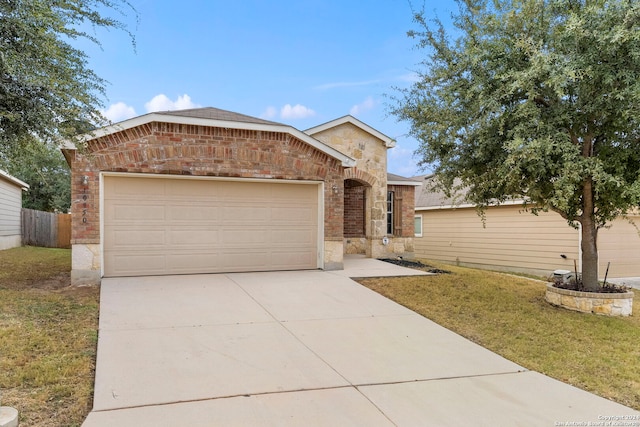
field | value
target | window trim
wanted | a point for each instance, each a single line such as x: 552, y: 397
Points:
x: 416, y: 234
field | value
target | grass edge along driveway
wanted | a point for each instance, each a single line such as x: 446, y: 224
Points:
x: 509, y: 316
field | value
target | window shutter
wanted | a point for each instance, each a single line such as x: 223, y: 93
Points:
x: 397, y: 214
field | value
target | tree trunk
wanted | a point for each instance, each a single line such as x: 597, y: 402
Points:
x: 589, y: 247
x: 589, y: 244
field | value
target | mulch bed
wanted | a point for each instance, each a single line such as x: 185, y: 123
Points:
x: 608, y: 288
x: 414, y: 264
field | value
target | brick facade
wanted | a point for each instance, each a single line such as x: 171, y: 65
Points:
x: 177, y: 149
x: 354, y: 209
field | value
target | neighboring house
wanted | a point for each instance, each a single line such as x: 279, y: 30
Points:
x: 450, y: 230
x: 11, y: 189
x: 207, y: 190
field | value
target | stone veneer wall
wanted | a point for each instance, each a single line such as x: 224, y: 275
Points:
x: 175, y: 149
x: 609, y: 304
x: 370, y: 154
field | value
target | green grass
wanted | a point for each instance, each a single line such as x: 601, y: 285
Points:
x: 48, y: 332
x: 509, y: 316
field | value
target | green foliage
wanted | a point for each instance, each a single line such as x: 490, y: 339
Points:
x: 534, y: 99
x: 46, y: 87
x: 46, y: 171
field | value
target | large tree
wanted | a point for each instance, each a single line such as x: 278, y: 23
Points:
x: 44, y: 168
x: 46, y: 87
x: 534, y: 99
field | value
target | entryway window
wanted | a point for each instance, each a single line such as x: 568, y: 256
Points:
x: 390, y: 215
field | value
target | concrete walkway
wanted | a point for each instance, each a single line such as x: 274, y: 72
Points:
x: 632, y: 282
x: 306, y: 348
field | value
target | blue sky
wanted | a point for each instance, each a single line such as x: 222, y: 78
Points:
x: 302, y: 63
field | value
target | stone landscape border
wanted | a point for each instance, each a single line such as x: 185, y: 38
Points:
x: 608, y: 304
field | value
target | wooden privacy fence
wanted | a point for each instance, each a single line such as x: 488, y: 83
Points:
x: 46, y: 229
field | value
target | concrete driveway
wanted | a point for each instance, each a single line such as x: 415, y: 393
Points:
x: 307, y: 348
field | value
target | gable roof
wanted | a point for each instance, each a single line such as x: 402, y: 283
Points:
x: 388, y: 142
x: 214, y: 117
x: 13, y: 180
x: 393, y: 179
x: 212, y: 113
x: 429, y: 197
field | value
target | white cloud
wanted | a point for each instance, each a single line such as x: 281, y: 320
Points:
x: 296, y: 112
x: 119, y: 111
x: 366, y: 105
x: 163, y: 103
x: 269, y: 113
x: 335, y: 85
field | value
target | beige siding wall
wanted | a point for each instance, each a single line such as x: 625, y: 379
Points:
x: 620, y: 245
x: 10, y: 205
x: 512, y: 240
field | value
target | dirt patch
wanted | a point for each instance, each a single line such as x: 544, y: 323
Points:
x: 414, y: 264
x: 55, y: 282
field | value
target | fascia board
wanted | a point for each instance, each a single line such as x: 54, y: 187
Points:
x: 388, y: 142
x: 468, y: 205
x: 409, y: 183
x: 13, y: 180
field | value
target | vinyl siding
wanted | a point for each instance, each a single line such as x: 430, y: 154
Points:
x: 10, y: 205
x: 511, y: 240
x: 620, y: 245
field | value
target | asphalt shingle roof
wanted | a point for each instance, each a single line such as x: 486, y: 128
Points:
x: 217, y: 114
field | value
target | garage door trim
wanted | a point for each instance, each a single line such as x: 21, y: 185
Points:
x: 320, y: 194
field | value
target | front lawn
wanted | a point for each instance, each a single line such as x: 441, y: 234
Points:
x: 509, y: 316
x: 48, y: 332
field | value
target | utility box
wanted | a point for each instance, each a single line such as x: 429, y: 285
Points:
x: 564, y: 276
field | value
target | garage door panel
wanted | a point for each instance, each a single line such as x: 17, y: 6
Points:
x: 194, y: 238
x: 120, y: 211
x: 295, y: 192
x: 250, y: 260
x: 174, y: 226
x: 134, y: 238
x: 181, y: 189
x: 288, y: 259
x: 190, y: 212
x: 243, y: 238
x: 295, y: 214
x: 134, y: 189
x: 134, y: 263
x: 301, y: 237
x: 198, y: 262
x: 241, y: 212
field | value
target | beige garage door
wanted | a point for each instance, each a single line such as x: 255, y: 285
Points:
x: 156, y: 226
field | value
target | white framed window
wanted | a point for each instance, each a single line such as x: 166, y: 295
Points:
x: 417, y: 225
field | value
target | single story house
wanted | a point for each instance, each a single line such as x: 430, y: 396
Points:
x: 207, y: 190
x: 450, y: 230
x: 11, y: 189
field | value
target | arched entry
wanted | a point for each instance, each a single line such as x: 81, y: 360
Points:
x: 356, y: 215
